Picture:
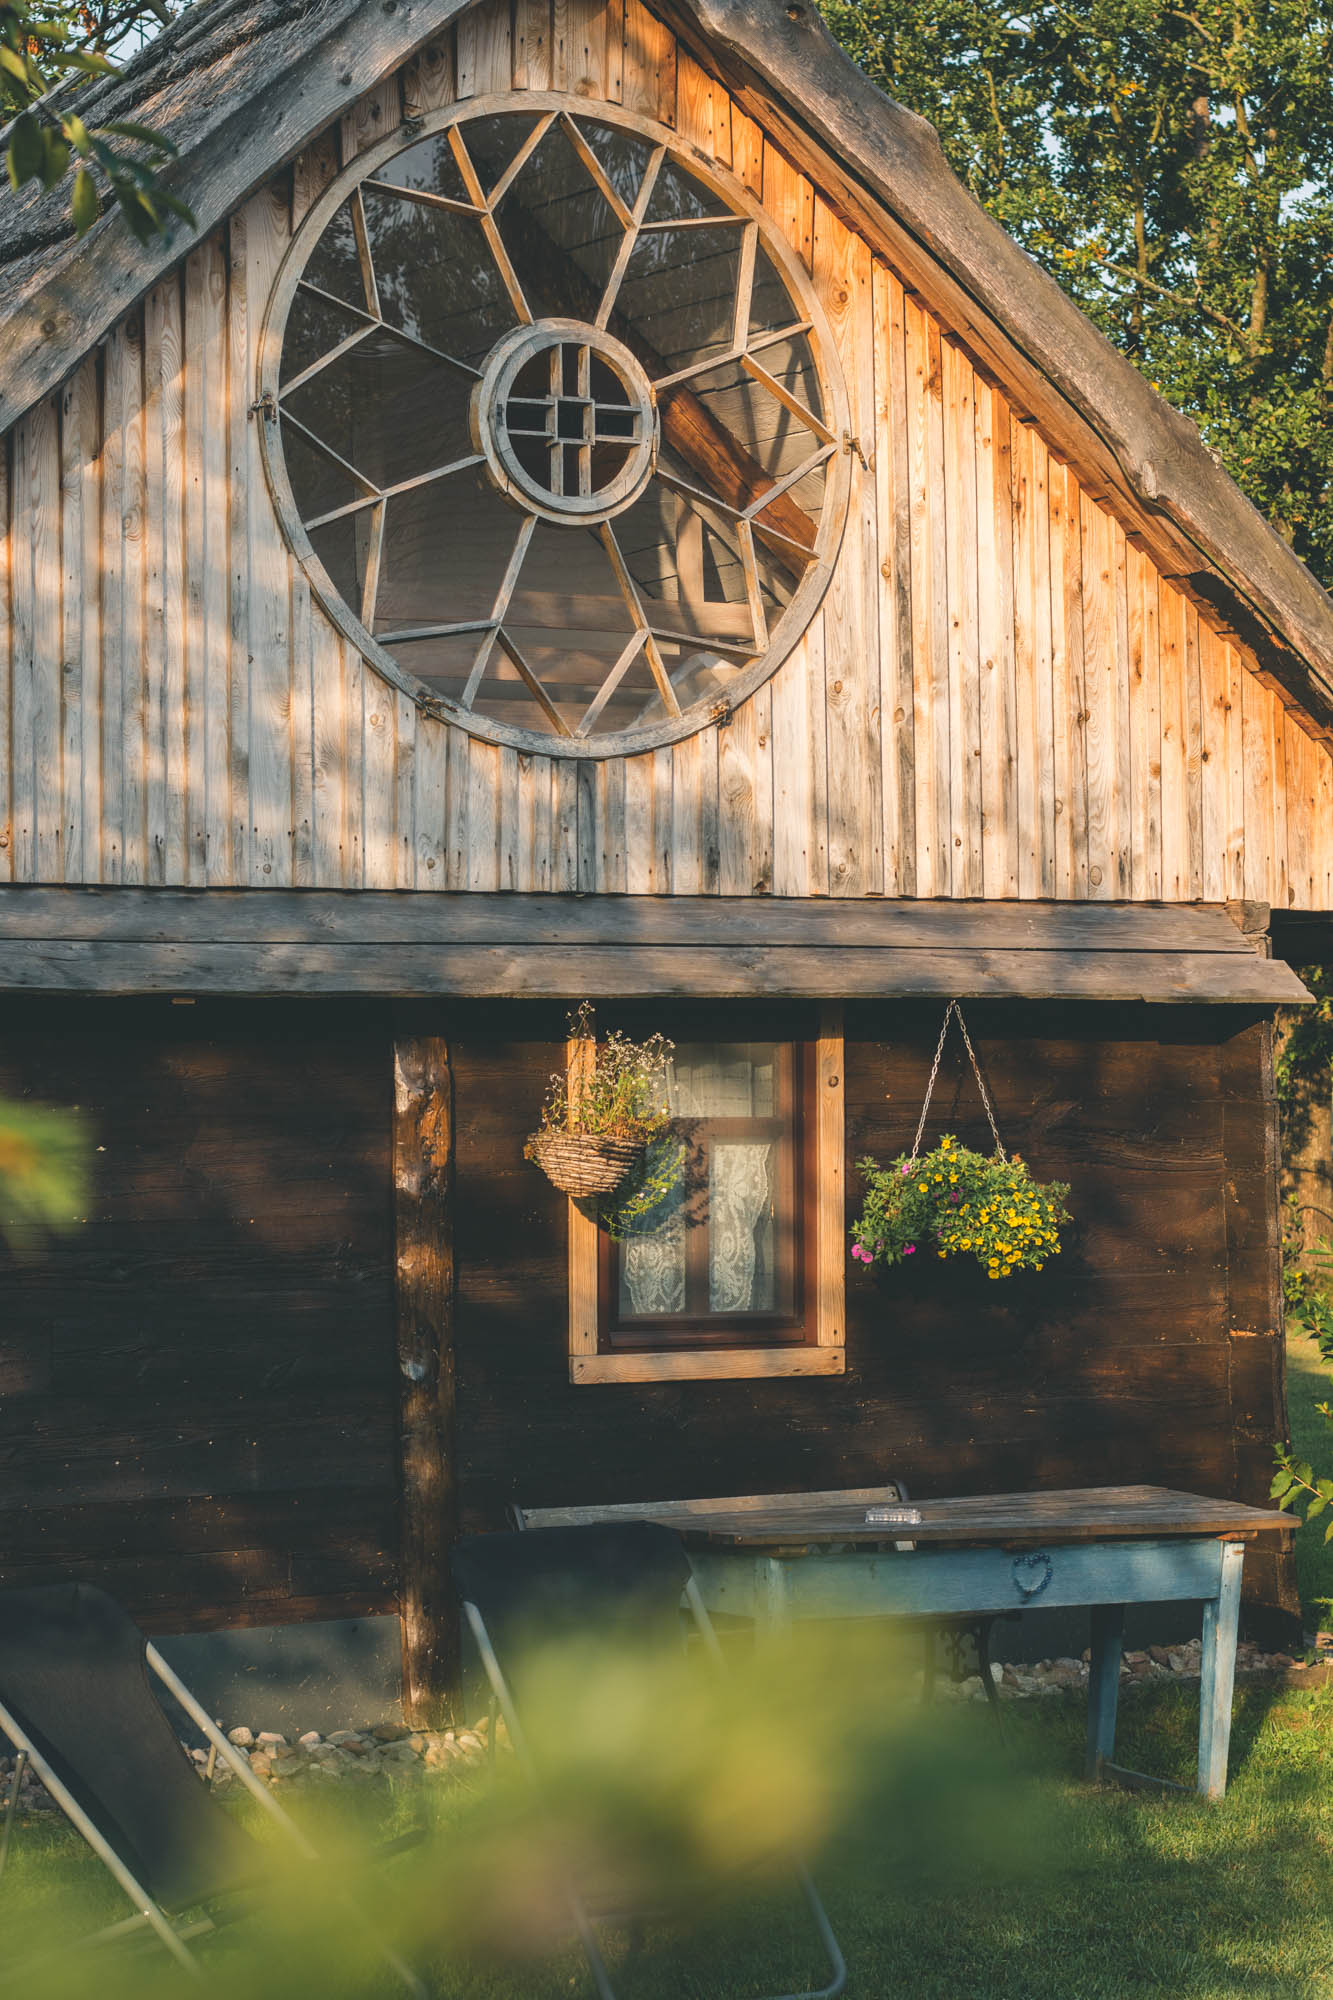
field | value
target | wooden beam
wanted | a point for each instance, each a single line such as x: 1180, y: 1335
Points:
x: 441, y: 919
x: 628, y: 970
x: 423, y: 1171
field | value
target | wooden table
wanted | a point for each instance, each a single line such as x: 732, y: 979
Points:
x: 775, y: 1560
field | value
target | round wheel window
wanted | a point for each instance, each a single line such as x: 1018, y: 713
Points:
x: 553, y: 421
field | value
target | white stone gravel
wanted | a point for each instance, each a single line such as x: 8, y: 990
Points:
x: 1157, y: 1663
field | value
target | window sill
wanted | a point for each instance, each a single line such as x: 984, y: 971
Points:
x: 706, y: 1364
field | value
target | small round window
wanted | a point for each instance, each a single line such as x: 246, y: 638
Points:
x: 552, y: 417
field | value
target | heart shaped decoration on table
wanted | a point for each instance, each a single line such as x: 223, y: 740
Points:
x: 1032, y: 1573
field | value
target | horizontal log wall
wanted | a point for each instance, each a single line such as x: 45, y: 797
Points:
x: 1001, y: 696
x: 198, y: 1390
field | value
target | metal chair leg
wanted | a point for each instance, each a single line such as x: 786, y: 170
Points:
x: 11, y: 1805
x: 981, y: 1639
x: 592, y: 1951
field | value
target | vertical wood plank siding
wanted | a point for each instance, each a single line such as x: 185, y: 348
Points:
x: 1000, y: 696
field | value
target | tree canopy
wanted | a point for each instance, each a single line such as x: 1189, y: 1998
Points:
x: 1171, y: 166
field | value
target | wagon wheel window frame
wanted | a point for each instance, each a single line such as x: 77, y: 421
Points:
x: 772, y: 636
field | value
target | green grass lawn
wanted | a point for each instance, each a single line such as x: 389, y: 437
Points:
x: 963, y: 1871
x: 1310, y: 1383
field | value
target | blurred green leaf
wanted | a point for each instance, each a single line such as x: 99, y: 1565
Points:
x: 84, y: 205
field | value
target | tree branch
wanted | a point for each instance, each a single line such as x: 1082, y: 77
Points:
x: 1190, y: 303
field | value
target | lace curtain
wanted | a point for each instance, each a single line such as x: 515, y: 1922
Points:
x: 715, y: 1080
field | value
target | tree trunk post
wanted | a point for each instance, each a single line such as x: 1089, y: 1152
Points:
x: 423, y: 1170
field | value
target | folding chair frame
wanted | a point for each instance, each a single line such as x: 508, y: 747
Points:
x: 582, y: 1919
x: 149, y: 1912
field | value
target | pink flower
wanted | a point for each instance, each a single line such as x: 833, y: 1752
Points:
x: 907, y: 1170
x: 863, y: 1256
x: 909, y: 1249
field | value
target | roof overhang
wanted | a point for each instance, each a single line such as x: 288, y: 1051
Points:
x: 288, y: 943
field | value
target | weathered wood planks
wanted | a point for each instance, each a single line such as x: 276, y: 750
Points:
x: 1000, y: 695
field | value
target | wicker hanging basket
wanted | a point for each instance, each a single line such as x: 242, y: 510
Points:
x: 582, y: 1163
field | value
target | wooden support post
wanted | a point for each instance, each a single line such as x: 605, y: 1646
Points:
x: 423, y: 1168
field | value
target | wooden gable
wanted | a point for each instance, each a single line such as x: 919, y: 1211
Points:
x: 1001, y: 695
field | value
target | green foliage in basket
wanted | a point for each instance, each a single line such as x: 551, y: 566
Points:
x: 957, y: 1203
x: 640, y: 1209
x: 620, y: 1094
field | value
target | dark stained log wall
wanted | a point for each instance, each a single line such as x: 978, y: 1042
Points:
x: 199, y: 1395
x: 197, y: 1391
x: 1117, y: 1363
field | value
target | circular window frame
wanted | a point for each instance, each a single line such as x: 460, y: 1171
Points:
x: 490, y: 433
x: 796, y: 616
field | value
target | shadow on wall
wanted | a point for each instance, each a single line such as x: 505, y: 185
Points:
x: 340, y: 1674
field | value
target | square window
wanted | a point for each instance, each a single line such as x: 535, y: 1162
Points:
x: 740, y: 1269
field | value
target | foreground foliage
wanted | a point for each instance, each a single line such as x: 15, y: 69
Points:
x: 950, y: 1866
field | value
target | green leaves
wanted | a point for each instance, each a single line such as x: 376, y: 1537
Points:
x: 953, y: 1202
x: 27, y: 151
x: 1173, y: 170
x: 84, y: 205
x: 1295, y: 1481
x: 122, y: 159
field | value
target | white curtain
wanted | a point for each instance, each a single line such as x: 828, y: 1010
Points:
x: 739, y: 1187
x: 715, y: 1080
x: 653, y: 1268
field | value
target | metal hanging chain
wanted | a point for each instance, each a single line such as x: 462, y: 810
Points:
x: 949, y: 1012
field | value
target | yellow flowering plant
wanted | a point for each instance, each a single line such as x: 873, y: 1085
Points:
x: 957, y: 1203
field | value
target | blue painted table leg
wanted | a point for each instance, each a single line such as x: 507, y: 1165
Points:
x: 1108, y: 1633
x: 1217, y: 1673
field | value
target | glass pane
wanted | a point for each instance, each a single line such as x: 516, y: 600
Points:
x: 560, y: 230
x: 722, y: 1080
x: 736, y: 1190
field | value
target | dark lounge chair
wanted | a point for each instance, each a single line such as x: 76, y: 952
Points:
x: 599, y: 1581
x: 76, y: 1702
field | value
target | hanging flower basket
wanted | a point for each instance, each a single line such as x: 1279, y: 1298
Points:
x: 954, y: 1202
x: 582, y: 1164
x: 602, y: 1114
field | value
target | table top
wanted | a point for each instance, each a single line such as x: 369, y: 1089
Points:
x: 1078, y: 1514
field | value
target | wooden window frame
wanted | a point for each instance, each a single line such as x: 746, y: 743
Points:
x: 822, y: 1351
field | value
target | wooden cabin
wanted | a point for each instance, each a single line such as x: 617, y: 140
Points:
x: 594, y: 509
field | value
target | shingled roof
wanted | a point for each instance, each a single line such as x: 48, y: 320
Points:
x: 242, y: 85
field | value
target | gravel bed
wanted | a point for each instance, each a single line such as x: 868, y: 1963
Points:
x: 1158, y: 1663
x: 350, y: 1756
